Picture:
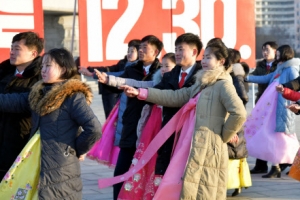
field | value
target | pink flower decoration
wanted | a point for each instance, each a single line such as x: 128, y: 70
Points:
x: 7, y: 176
x: 18, y: 159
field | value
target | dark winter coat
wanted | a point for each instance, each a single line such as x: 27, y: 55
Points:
x: 238, y: 150
x: 58, y: 111
x: 15, y: 127
x: 170, y: 81
x: 294, y: 85
x: 134, y: 106
x: 261, y: 69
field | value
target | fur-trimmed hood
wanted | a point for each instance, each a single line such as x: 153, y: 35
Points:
x: 44, y: 102
x: 294, y: 62
x: 209, y: 77
x: 238, y: 69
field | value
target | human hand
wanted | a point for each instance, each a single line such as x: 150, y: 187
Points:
x: 280, y: 88
x: 102, y: 77
x: 129, y: 91
x: 82, y: 157
x: 234, y: 139
x: 85, y: 71
x: 294, y: 107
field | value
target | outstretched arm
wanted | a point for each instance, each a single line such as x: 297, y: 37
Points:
x: 169, y: 98
x: 260, y: 79
x: 15, y: 103
x: 117, y: 81
x: 291, y: 94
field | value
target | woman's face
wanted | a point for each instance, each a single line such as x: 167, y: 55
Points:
x: 132, y: 54
x: 167, y: 65
x: 51, y: 71
x: 210, y: 61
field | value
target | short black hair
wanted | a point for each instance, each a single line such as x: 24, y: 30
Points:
x: 272, y: 44
x: 65, y: 60
x: 134, y: 43
x: 32, y: 40
x: 151, y: 39
x: 286, y: 53
x: 170, y: 56
x: 190, y: 39
x: 234, y: 55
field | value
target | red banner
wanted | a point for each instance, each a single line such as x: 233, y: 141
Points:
x: 106, y: 26
x: 18, y: 16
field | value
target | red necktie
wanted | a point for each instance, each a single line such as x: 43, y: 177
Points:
x: 19, y: 75
x: 145, y: 73
x: 183, y: 75
x: 268, y: 66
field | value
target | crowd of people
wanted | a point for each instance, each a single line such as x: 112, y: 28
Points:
x: 175, y: 128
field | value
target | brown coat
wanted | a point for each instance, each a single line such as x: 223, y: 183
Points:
x: 220, y: 114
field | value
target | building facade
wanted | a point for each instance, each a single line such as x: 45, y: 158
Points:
x: 277, y: 20
x: 58, y: 24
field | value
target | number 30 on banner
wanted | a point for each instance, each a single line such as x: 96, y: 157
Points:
x: 106, y: 26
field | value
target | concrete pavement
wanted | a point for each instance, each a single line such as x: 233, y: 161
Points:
x: 283, y: 188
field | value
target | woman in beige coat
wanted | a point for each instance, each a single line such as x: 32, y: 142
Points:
x: 220, y: 114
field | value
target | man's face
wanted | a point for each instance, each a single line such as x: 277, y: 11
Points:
x: 268, y: 52
x: 185, y: 54
x: 20, y: 54
x: 147, y: 52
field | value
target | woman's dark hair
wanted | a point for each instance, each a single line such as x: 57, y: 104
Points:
x: 221, y: 52
x: 286, y: 53
x: 215, y: 41
x: 170, y: 56
x: 246, y: 67
x: 235, y: 55
x: 65, y: 60
x: 134, y: 43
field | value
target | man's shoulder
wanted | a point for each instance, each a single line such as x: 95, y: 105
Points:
x: 6, y: 67
x: 5, y: 63
x: 261, y: 63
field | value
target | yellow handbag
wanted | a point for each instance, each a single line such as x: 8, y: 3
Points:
x: 238, y: 174
x: 245, y: 176
x: 21, y: 180
x: 233, y: 174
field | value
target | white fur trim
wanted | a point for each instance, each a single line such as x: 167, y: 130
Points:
x: 238, y: 69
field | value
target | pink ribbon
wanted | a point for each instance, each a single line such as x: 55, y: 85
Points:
x: 174, y: 125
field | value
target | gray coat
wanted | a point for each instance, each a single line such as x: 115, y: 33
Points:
x: 58, y: 111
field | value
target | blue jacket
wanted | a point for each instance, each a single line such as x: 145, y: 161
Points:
x: 289, y: 70
x: 122, y: 107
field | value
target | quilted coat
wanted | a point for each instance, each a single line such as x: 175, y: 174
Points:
x: 220, y: 114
